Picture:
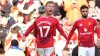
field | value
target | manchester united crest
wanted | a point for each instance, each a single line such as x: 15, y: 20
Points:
x: 89, y: 23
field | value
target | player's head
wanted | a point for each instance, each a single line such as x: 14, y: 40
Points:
x: 41, y: 9
x: 50, y: 7
x: 84, y: 11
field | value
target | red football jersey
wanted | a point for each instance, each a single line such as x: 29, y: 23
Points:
x: 86, y: 31
x: 44, y: 30
x: 98, y: 32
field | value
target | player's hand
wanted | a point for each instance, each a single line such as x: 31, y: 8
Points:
x: 66, y: 46
x: 98, y: 43
x: 23, y: 38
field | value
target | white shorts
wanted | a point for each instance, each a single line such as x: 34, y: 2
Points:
x: 45, y: 51
x: 86, y: 51
x: 59, y: 46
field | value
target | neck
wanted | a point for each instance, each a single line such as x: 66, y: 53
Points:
x: 48, y: 15
x: 84, y: 18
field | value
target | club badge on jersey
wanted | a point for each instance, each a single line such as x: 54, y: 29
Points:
x: 85, y: 29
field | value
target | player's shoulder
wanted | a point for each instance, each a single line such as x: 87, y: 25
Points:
x: 39, y: 17
x: 92, y: 19
x: 52, y: 17
x: 80, y: 19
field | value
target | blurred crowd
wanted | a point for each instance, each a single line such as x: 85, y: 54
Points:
x: 17, y: 15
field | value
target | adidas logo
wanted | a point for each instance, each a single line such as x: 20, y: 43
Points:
x: 80, y: 25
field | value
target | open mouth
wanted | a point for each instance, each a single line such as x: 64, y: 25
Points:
x: 50, y: 10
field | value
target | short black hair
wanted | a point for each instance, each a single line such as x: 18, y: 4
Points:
x: 83, y: 7
x: 41, y: 9
x: 14, y: 42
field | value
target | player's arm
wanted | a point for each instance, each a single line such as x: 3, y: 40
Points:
x: 60, y: 29
x: 29, y: 30
x: 97, y: 30
x: 71, y: 32
x: 98, y: 35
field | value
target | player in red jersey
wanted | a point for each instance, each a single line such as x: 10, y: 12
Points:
x: 44, y: 28
x: 85, y: 27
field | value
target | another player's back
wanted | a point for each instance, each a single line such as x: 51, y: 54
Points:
x: 44, y: 28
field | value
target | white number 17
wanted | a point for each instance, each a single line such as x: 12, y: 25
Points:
x: 41, y: 30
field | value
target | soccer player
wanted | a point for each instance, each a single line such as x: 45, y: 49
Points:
x: 44, y: 28
x: 85, y: 27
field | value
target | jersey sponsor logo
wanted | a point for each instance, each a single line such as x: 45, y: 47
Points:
x: 85, y: 33
x: 85, y: 29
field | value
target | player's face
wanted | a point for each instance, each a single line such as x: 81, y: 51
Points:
x: 84, y: 12
x: 50, y: 8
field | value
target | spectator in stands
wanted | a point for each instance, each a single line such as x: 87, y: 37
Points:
x: 13, y: 16
x: 93, y: 10
x: 61, y: 11
x: 15, y: 50
x: 28, y: 6
x: 72, y: 7
x: 4, y: 29
x: 14, y: 34
x: 66, y: 52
